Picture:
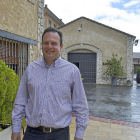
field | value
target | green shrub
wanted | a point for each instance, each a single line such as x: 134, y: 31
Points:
x: 138, y: 70
x: 9, y: 83
x: 114, y: 68
x: 82, y: 77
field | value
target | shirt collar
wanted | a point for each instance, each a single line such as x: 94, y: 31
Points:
x: 55, y: 64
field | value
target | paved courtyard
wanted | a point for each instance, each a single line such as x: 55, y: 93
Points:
x: 114, y: 113
x: 117, y: 103
x: 98, y: 130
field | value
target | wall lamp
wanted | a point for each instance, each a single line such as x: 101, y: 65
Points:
x: 80, y: 27
x: 135, y: 43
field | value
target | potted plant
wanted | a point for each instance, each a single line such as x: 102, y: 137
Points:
x: 9, y: 83
x: 114, y: 69
x: 138, y: 75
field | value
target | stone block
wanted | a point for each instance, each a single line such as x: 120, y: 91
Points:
x: 38, y: 46
x: 39, y: 15
x: 33, y: 1
x: 31, y: 47
x: 38, y: 38
x: 41, y: 53
x: 38, y: 26
x: 39, y: 10
x: 41, y: 6
x: 31, y: 52
x: 42, y: 2
x: 38, y: 31
x: 42, y: 15
x: 42, y: 22
x: 38, y: 20
x: 42, y: 29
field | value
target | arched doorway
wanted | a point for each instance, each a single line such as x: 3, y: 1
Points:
x: 86, y: 48
x: 86, y: 62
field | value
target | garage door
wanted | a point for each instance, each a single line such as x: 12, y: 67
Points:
x: 86, y: 62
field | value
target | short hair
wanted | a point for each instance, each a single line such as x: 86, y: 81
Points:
x: 50, y: 29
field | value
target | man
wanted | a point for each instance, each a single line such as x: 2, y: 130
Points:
x: 50, y: 90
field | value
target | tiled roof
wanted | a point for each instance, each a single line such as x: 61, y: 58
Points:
x: 136, y: 55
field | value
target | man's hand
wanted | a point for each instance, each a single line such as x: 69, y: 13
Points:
x: 77, y: 139
x: 15, y: 136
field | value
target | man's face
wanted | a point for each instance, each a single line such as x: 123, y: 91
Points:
x: 51, y: 46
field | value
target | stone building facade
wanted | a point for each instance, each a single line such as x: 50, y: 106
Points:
x: 21, y: 28
x: 88, y: 44
x: 50, y: 19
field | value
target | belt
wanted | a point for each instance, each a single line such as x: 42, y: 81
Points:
x: 46, y: 129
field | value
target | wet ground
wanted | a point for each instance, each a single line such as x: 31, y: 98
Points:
x: 117, y: 103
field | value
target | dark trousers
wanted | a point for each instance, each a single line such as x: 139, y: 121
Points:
x: 34, y: 134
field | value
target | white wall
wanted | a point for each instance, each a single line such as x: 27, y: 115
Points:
x: 6, y: 134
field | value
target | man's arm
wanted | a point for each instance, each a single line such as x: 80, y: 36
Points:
x: 19, y: 107
x: 79, y: 106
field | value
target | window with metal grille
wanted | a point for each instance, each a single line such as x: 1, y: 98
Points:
x: 14, y: 54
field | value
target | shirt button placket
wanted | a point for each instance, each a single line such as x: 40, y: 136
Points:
x: 48, y: 78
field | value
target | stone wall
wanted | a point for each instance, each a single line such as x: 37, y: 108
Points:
x: 24, y: 18
x: 130, y: 59
x: 40, y: 28
x: 19, y: 17
x: 36, y: 51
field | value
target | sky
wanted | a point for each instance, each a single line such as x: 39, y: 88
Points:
x: 123, y: 15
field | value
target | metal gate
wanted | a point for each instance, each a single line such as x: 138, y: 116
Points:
x: 14, y: 54
x: 86, y: 62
